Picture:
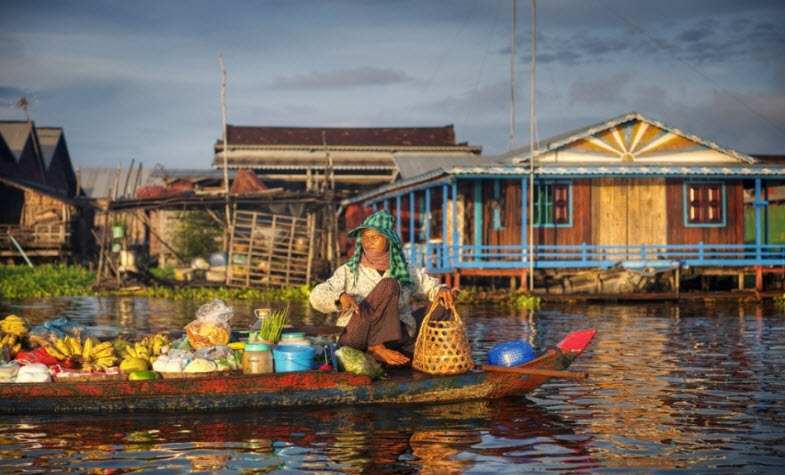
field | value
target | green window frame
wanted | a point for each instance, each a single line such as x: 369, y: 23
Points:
x: 553, y: 204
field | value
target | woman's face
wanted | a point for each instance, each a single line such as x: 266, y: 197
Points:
x: 373, y: 240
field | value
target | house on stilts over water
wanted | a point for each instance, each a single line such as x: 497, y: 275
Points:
x: 627, y: 205
x: 41, y: 217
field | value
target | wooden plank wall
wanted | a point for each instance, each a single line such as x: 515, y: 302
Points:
x: 510, y: 234
x: 731, y: 233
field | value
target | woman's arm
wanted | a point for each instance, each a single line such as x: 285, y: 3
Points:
x: 425, y: 283
x: 324, y: 295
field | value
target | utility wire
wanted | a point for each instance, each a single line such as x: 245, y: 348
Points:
x: 659, y: 43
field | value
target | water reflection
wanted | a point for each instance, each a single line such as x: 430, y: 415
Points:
x: 673, y: 387
x: 426, y: 439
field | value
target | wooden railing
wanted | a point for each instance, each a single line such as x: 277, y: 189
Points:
x: 39, y: 236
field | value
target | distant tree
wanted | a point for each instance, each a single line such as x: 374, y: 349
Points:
x: 197, y: 235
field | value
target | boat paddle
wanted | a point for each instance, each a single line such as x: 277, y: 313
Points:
x: 551, y: 373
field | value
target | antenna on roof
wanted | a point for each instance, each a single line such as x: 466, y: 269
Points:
x: 24, y: 104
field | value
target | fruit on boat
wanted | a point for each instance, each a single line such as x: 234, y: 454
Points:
x: 14, y: 325
x: 142, y: 375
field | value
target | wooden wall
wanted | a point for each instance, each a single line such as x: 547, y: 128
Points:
x: 731, y: 233
x: 510, y: 234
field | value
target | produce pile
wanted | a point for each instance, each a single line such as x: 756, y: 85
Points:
x: 62, y: 350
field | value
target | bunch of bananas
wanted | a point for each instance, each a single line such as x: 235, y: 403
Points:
x: 10, y: 341
x: 14, y: 325
x: 92, y: 353
x: 156, y: 343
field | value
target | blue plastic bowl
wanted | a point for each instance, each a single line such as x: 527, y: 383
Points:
x: 511, y: 353
x: 290, y: 358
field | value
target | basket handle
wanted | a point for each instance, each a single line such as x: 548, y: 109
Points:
x: 434, y: 305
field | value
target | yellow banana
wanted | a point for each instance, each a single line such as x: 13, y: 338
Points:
x: 74, y: 345
x: 106, y: 362
x: 55, y: 352
x: 62, y: 347
x: 87, y: 348
x: 102, y: 354
x: 129, y: 352
x: 16, y: 349
x: 103, y: 346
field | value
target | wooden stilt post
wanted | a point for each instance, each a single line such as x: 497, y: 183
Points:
x: 457, y: 283
x: 524, y: 277
x: 759, y: 278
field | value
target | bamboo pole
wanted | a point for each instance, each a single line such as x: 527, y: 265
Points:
x: 225, y: 153
x: 532, y: 146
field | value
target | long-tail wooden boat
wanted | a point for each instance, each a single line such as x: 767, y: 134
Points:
x: 312, y: 388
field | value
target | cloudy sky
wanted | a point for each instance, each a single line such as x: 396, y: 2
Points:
x: 141, y: 80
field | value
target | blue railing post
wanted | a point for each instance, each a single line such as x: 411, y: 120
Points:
x: 398, y: 215
x: 584, y: 253
x: 412, y: 251
x: 454, y: 255
x: 427, y: 224
x: 759, y: 204
x: 445, y: 199
x: 524, y: 219
x: 700, y: 251
x: 643, y: 252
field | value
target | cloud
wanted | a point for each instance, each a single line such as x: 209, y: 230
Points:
x: 599, y: 91
x: 342, y: 78
x: 10, y: 92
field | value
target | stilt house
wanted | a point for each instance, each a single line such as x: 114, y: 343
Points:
x: 38, y: 191
x: 629, y: 193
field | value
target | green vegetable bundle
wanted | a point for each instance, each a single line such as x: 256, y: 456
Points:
x: 273, y: 325
x: 358, y: 362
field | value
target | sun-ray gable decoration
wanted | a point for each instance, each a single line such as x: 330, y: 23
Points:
x: 633, y: 139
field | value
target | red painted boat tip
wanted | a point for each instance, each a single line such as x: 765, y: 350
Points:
x: 576, y: 342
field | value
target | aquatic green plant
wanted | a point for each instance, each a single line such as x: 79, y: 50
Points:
x: 297, y: 293
x: 162, y: 273
x: 52, y: 280
x: 22, y: 282
x: 780, y: 301
x: 525, y: 301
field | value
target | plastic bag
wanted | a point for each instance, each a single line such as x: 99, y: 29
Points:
x: 57, y: 328
x: 358, y: 362
x: 211, y: 326
x: 33, y: 373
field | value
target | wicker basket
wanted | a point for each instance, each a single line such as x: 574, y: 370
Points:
x: 442, y: 347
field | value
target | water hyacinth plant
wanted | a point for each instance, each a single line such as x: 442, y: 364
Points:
x: 22, y: 282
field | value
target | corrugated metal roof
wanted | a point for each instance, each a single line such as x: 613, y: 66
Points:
x: 99, y: 182
x: 316, y: 136
x: 412, y: 165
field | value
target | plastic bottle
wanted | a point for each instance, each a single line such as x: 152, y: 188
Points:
x: 257, y: 359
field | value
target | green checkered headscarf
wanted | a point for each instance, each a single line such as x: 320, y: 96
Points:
x: 382, y: 222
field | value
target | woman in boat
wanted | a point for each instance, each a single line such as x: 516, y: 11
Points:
x: 373, y: 293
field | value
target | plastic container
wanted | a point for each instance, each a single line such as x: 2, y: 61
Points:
x: 290, y: 358
x: 294, y: 338
x: 257, y: 359
x: 511, y: 353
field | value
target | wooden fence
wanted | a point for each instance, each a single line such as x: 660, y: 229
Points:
x: 270, y: 250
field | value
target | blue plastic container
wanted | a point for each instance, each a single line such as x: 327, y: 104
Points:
x: 511, y: 353
x: 290, y: 358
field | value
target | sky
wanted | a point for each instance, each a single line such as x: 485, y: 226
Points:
x: 140, y: 80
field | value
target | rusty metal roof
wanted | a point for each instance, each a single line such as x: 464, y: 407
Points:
x: 342, y: 136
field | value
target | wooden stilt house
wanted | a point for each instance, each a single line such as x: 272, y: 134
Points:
x: 628, y: 194
x: 39, y: 215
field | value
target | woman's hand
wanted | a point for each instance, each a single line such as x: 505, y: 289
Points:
x: 445, y: 298
x: 348, y: 302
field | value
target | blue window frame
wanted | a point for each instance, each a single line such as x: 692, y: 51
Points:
x: 705, y: 204
x: 553, y: 204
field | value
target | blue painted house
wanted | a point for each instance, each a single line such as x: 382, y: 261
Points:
x: 629, y: 193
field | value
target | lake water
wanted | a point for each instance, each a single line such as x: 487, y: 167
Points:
x: 695, y: 388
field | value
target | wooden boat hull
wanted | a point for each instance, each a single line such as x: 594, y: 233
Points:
x: 236, y: 392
